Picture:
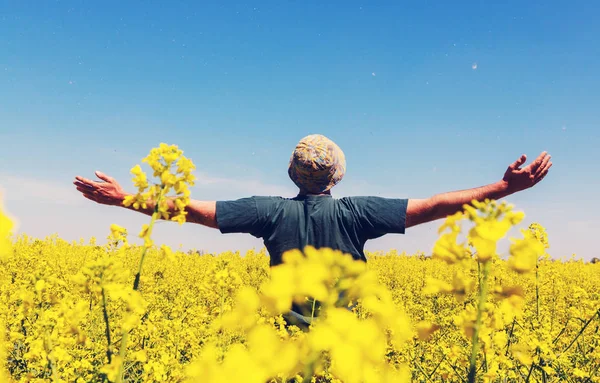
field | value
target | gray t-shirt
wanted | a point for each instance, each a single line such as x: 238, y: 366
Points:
x: 318, y: 220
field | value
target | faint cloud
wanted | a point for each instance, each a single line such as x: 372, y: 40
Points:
x: 19, y: 189
x: 474, y: 66
x: 27, y: 188
x: 255, y: 187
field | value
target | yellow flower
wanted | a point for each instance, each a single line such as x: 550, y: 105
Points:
x: 6, y: 227
x: 577, y: 372
x: 112, y: 370
x: 524, y: 254
x: 486, y: 248
x: 425, y: 329
x: 277, y: 295
x: 436, y: 286
x: 117, y: 234
x: 539, y: 233
x: 169, y: 255
x: 144, y: 232
x: 448, y: 250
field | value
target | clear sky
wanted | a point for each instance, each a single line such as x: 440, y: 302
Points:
x: 424, y: 97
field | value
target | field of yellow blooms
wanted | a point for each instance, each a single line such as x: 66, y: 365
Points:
x: 83, y: 312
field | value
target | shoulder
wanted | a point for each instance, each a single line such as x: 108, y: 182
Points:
x: 362, y: 203
x: 268, y: 200
x: 370, y: 199
x: 231, y: 212
x: 377, y: 216
x: 245, y: 203
x: 257, y: 198
x: 265, y: 203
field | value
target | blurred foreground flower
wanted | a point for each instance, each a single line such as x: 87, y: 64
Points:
x: 350, y: 348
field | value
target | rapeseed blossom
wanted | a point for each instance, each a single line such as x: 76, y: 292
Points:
x: 6, y: 227
x: 193, y: 304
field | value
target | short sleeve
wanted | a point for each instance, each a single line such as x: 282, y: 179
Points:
x: 245, y: 215
x: 378, y: 216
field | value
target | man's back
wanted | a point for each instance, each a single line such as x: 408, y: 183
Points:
x: 317, y: 220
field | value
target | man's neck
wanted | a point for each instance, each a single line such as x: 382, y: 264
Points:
x: 305, y: 193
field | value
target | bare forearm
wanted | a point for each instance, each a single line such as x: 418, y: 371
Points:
x: 200, y: 212
x: 446, y: 204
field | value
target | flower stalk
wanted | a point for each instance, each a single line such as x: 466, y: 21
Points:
x: 483, y: 291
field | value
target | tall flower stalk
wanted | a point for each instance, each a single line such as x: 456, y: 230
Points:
x: 492, y: 221
x: 173, y: 170
x: 483, y: 292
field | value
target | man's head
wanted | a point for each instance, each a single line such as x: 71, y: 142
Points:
x: 317, y: 164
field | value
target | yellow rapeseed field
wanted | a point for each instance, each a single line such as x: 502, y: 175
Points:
x: 83, y: 312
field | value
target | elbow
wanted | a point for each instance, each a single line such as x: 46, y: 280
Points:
x: 422, y: 211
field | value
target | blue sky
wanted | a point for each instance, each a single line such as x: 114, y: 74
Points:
x: 423, y: 97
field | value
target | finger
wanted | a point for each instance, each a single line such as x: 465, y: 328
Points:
x: 103, y: 176
x: 543, y: 165
x: 520, y: 161
x: 537, y: 162
x: 85, y: 180
x: 543, y: 174
x: 81, y: 184
x: 86, y: 191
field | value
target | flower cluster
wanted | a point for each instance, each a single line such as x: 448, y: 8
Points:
x: 6, y: 227
x: 187, y: 317
x: 174, y: 172
x: 339, y: 344
x: 118, y: 235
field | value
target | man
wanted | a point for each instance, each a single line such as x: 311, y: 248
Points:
x: 314, y: 217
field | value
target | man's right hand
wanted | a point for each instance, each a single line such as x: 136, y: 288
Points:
x: 108, y: 192
x: 517, y: 178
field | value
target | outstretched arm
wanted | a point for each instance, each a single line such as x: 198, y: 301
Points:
x: 515, y: 179
x: 111, y: 193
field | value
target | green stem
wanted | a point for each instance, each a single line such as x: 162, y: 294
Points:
x: 453, y: 367
x: 436, y: 367
x: 529, y: 373
x: 136, y: 285
x: 309, y: 371
x: 107, y: 327
x: 475, y: 340
x: 427, y: 377
x: 582, y: 330
x: 537, y: 291
x: 122, y: 355
x: 50, y: 359
x: 512, y: 329
x: 562, y: 331
x: 136, y: 282
x: 221, y: 333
